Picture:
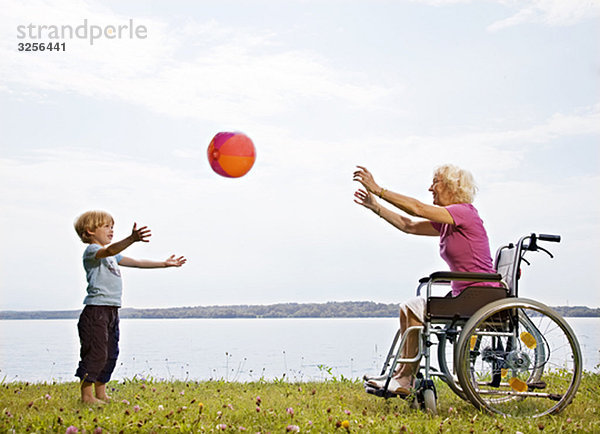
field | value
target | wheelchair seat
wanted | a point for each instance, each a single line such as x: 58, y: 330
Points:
x: 464, y: 305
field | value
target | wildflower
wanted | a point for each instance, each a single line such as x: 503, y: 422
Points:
x: 47, y: 396
x: 338, y: 424
x: 71, y: 430
x: 222, y: 426
x: 97, y: 430
x: 310, y: 423
x: 299, y: 389
x: 292, y: 428
x: 182, y: 392
x: 290, y: 411
x: 258, y: 400
x: 348, y: 412
x: 258, y: 409
x: 219, y: 414
x: 346, y: 425
x: 125, y: 402
x: 229, y: 406
x: 160, y: 407
x: 241, y: 428
x: 136, y: 408
x: 200, y: 407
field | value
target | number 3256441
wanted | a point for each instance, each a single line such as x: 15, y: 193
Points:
x: 42, y: 46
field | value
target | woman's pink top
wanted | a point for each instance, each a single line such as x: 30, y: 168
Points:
x: 465, y: 245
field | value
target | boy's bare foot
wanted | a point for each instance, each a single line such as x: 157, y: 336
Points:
x: 100, y: 391
x: 87, y: 397
x: 92, y: 400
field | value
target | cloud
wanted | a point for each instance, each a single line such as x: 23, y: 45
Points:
x: 548, y: 12
x: 206, y: 71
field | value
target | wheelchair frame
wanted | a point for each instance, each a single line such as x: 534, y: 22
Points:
x: 483, y: 325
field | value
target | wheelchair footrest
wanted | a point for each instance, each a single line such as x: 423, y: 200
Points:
x: 381, y: 393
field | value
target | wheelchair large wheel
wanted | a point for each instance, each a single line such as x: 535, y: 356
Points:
x: 518, y: 357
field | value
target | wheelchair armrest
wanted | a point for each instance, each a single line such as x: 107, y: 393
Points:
x: 445, y: 277
x: 463, y: 276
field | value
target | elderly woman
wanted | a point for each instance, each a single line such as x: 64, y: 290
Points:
x: 464, y: 243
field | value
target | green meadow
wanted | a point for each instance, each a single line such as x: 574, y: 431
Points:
x: 335, y: 405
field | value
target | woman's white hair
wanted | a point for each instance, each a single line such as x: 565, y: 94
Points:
x: 459, y: 182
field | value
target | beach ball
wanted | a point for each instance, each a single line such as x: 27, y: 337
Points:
x: 231, y: 154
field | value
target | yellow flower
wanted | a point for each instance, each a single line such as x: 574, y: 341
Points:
x: 346, y: 425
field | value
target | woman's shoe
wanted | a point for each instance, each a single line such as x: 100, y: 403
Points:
x: 393, y: 386
x: 374, y: 377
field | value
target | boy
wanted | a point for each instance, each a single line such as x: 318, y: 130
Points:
x: 98, y: 324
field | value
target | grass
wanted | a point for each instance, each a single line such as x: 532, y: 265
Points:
x: 335, y: 405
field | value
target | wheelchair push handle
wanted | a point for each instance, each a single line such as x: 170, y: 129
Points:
x: 551, y: 238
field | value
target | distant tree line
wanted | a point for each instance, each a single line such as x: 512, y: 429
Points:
x: 333, y: 309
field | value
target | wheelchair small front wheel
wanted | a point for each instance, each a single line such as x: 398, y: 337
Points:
x: 518, y: 357
x: 429, y: 402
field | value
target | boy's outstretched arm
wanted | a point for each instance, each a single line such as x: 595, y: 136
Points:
x: 171, y: 261
x: 142, y: 234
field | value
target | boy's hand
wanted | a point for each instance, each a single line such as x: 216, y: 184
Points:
x: 172, y: 261
x: 141, y: 234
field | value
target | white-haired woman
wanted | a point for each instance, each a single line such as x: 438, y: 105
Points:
x: 464, y: 243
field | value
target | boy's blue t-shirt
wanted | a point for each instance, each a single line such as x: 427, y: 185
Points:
x: 104, y: 278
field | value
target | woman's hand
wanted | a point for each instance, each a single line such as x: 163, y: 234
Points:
x: 366, y: 199
x: 366, y: 179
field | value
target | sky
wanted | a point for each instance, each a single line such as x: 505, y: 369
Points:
x: 506, y: 89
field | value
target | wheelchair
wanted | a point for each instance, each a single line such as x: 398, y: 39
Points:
x: 505, y: 354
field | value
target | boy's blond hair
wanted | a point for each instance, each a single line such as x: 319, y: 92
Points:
x: 90, y: 221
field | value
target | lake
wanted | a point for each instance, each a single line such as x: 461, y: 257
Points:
x: 230, y: 349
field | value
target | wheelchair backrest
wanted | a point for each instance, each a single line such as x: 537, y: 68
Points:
x: 507, y: 264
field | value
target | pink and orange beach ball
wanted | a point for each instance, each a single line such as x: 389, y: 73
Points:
x: 231, y: 154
